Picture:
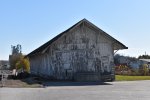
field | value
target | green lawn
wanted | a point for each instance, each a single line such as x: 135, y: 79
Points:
x: 131, y: 78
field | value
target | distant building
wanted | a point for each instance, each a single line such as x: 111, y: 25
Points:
x: 129, y: 61
x: 135, y: 64
x: 145, y: 61
x: 4, y: 64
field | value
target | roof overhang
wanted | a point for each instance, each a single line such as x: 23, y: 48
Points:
x: 116, y: 44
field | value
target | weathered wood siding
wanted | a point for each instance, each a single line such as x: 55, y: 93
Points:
x: 81, y: 50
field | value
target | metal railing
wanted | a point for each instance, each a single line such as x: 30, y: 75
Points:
x: 4, y: 76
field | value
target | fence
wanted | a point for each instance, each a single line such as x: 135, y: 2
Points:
x: 4, y: 75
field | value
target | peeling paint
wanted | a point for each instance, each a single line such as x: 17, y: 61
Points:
x: 83, y: 50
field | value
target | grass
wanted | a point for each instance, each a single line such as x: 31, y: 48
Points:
x: 131, y: 78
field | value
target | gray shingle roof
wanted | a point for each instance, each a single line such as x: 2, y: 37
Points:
x: 41, y: 48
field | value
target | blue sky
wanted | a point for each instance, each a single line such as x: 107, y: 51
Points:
x: 31, y: 23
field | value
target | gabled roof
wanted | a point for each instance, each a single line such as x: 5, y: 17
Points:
x: 146, y: 60
x: 44, y: 46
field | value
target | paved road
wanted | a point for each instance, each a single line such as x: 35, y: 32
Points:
x: 133, y: 90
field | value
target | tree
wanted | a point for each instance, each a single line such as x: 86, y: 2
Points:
x: 23, y: 64
x: 16, y: 49
x: 13, y: 59
x: 144, y: 70
x: 17, y: 59
x: 144, y: 57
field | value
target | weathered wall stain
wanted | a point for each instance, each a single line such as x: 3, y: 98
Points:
x: 80, y: 52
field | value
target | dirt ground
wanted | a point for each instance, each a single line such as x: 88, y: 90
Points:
x: 35, y: 82
x: 21, y: 83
